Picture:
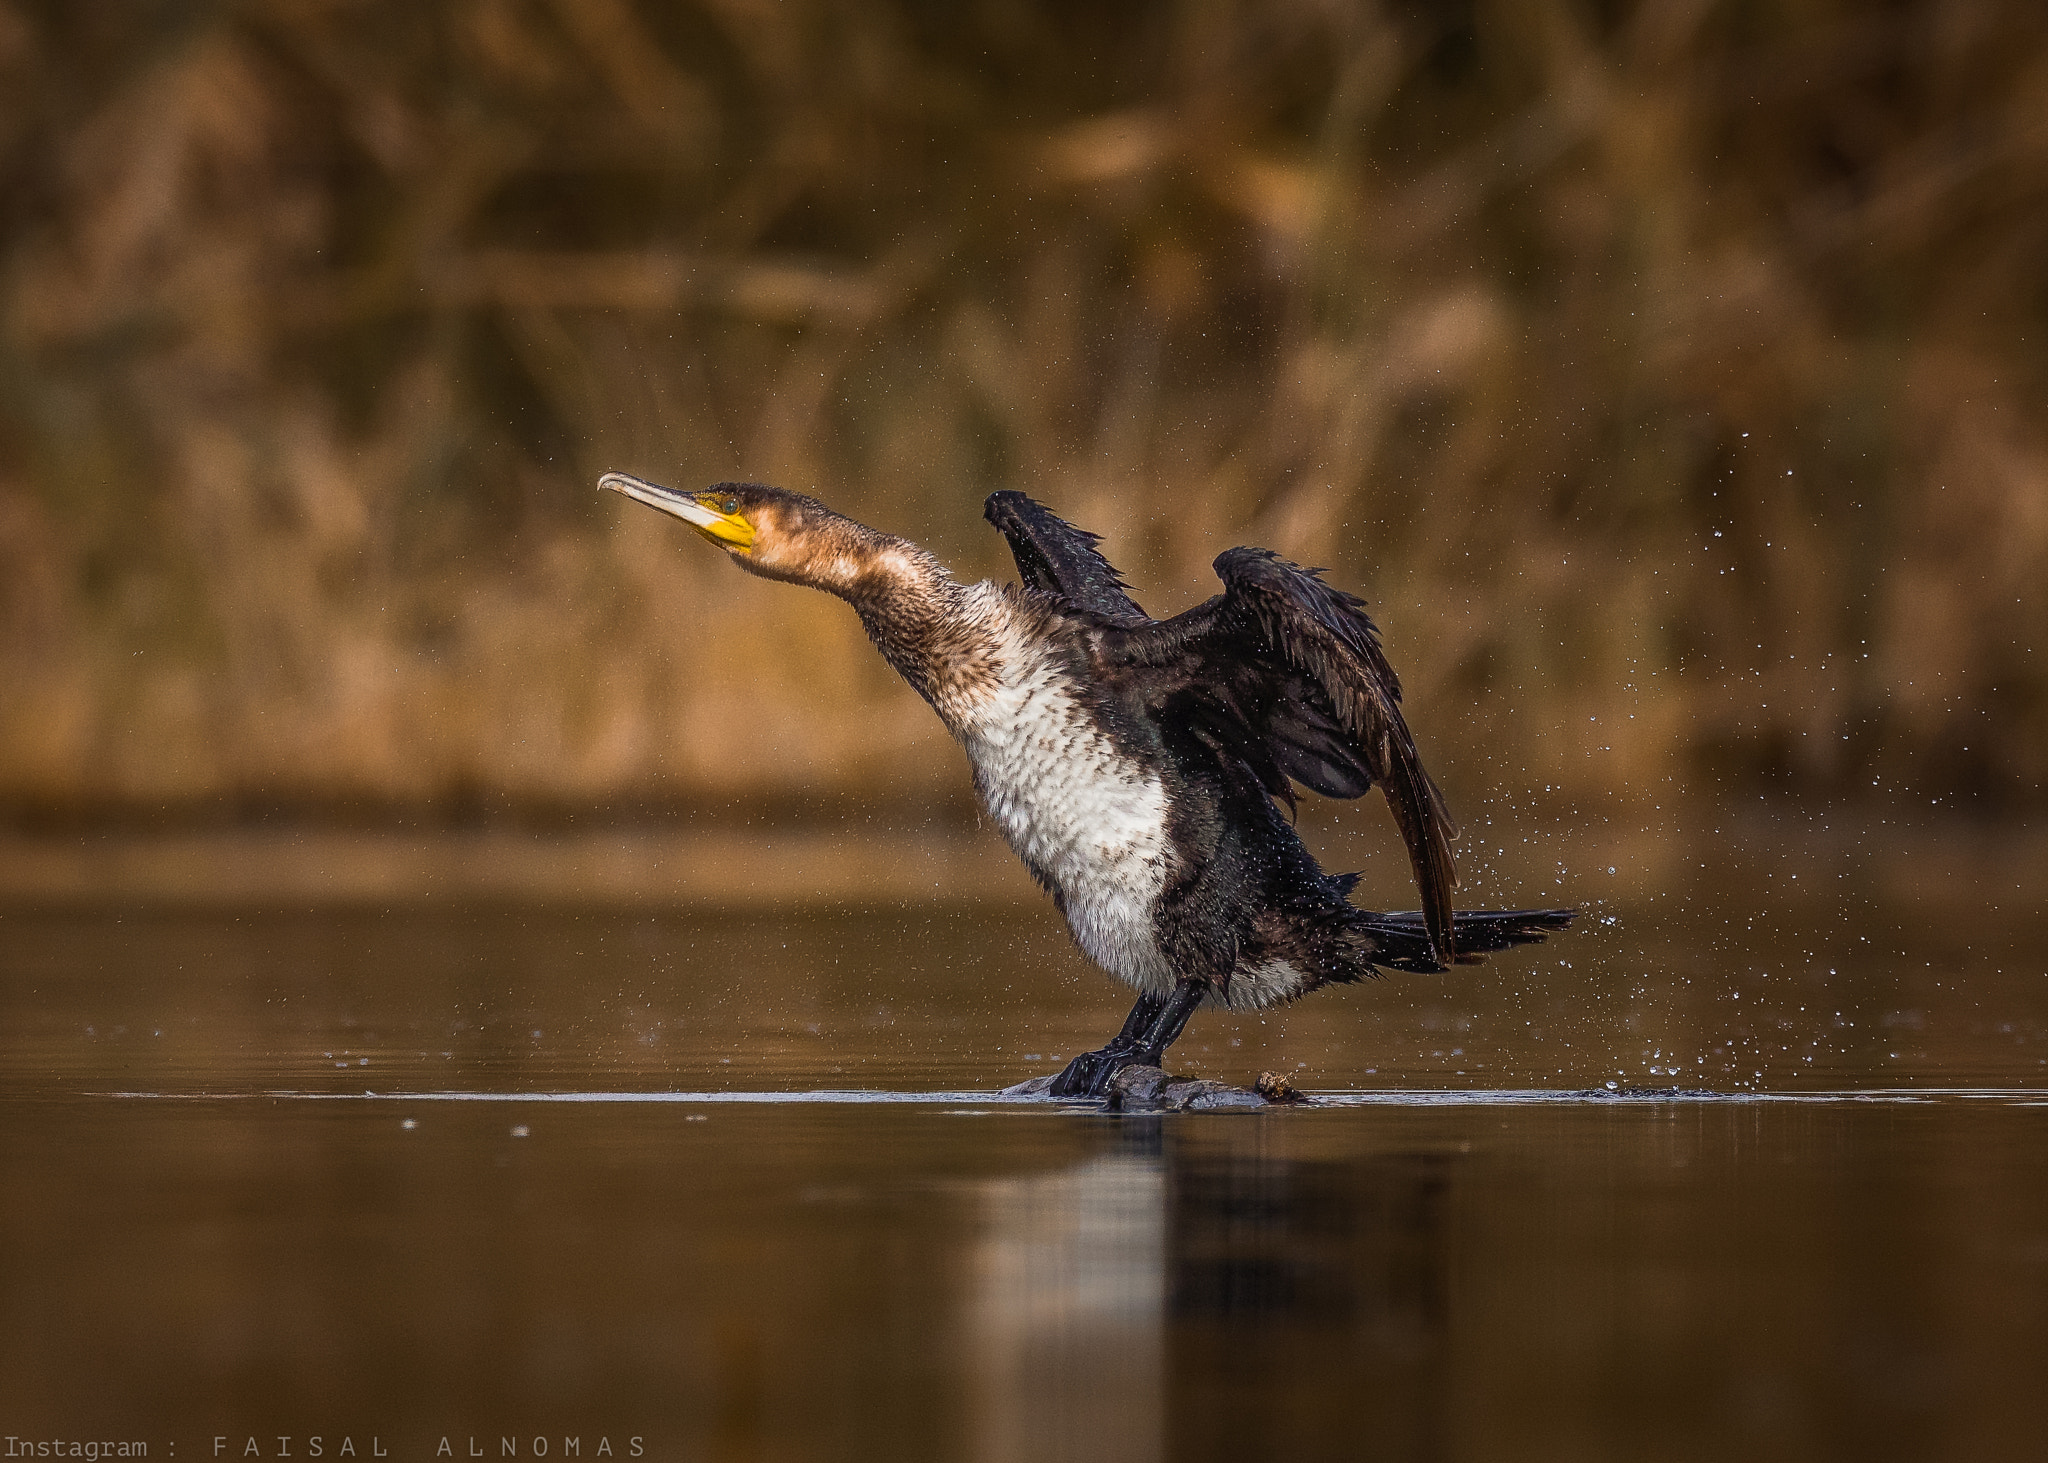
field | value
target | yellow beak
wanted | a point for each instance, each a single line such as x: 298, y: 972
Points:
x: 727, y: 530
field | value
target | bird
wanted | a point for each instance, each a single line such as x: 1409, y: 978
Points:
x: 1143, y: 770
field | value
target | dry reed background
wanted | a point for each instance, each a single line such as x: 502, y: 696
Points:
x: 1669, y: 376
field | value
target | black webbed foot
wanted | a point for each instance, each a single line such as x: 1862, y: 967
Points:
x: 1089, y: 1074
x: 1148, y: 1031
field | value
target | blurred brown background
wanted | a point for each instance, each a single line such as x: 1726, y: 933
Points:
x: 1669, y: 376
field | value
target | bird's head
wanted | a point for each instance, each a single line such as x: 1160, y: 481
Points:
x: 773, y: 533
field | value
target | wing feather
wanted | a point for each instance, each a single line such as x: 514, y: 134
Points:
x: 1331, y: 704
x: 1057, y: 558
x: 1294, y: 680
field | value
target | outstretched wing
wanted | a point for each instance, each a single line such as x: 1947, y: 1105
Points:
x: 1291, y: 675
x: 1294, y: 668
x: 1056, y: 557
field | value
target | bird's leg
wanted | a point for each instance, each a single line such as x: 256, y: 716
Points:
x: 1172, y: 1019
x: 1148, y: 1031
x: 1088, y: 1073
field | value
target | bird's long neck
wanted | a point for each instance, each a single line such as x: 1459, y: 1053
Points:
x: 921, y: 629
x: 916, y: 612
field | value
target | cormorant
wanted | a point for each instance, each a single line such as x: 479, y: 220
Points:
x: 1135, y: 764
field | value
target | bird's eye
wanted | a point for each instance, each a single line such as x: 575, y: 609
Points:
x: 732, y: 505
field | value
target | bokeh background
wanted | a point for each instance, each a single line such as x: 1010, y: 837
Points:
x: 1669, y: 376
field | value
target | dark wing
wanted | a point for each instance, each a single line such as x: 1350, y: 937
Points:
x: 1058, y: 558
x: 1295, y: 667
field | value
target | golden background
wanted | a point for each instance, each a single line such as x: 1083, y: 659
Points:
x: 1669, y: 378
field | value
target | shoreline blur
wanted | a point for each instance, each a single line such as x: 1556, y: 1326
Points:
x: 1666, y: 377
x: 1735, y: 861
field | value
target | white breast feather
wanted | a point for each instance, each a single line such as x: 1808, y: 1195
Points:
x: 1072, y: 808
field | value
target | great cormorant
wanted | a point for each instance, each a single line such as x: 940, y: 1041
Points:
x: 1134, y: 764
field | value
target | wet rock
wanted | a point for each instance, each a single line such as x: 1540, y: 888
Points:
x: 1136, y: 1089
x: 1214, y: 1097
x: 1149, y: 1089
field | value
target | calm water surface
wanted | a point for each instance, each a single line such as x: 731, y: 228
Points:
x: 484, y: 1172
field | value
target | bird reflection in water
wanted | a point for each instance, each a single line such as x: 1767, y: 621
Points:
x: 1180, y: 1297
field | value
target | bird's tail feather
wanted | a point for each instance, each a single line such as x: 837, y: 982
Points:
x: 1401, y: 941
